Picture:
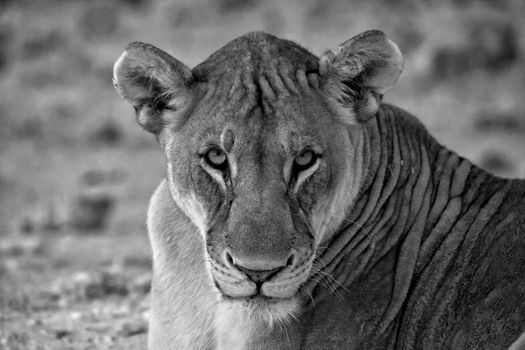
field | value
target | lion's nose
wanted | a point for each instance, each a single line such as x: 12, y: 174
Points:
x: 256, y: 271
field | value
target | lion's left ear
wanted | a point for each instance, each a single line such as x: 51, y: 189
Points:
x: 359, y: 72
x: 152, y: 81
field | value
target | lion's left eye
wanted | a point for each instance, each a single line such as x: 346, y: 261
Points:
x: 216, y: 158
x: 305, y: 160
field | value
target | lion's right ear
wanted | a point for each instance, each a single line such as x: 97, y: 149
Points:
x: 359, y: 72
x: 152, y: 81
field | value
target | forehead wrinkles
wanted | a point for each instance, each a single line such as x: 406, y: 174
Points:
x: 261, y: 85
x: 259, y: 98
x: 229, y: 98
x: 227, y: 139
x: 279, y: 81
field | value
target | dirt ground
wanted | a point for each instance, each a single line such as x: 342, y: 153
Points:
x: 73, y: 292
x: 76, y: 171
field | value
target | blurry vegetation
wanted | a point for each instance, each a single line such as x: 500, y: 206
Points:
x: 90, y: 211
x: 5, y: 46
x: 488, y: 46
x: 41, y: 43
x: 512, y: 122
x: 99, y: 21
x: 107, y: 134
x: 496, y: 161
x: 76, y: 171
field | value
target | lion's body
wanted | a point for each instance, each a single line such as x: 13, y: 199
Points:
x: 298, y: 214
x: 467, y: 292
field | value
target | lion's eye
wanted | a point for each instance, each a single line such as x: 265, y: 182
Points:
x: 216, y: 158
x: 305, y: 160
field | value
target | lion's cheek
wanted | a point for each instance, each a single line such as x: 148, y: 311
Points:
x: 193, y: 208
x: 199, y: 199
x: 187, y: 201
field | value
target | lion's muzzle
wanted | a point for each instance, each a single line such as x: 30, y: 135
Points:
x: 268, y: 278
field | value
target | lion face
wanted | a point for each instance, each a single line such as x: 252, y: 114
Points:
x: 254, y: 183
x: 263, y: 146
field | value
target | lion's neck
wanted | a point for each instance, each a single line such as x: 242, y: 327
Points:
x: 414, y: 189
x: 394, y: 198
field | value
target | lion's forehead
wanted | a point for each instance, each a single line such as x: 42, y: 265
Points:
x: 254, y: 71
x: 253, y: 90
x: 258, y: 129
x: 255, y: 52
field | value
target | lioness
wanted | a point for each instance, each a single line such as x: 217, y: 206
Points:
x: 298, y: 212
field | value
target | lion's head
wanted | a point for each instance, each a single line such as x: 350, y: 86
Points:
x: 263, y: 144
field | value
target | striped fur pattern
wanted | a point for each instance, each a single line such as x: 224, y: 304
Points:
x: 452, y: 234
x: 388, y: 240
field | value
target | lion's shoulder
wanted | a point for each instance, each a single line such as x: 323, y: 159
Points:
x: 162, y: 211
x: 168, y: 226
x: 179, y: 265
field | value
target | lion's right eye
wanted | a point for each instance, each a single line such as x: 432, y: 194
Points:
x: 216, y: 158
x: 305, y: 160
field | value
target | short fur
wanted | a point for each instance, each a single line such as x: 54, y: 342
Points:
x: 387, y: 240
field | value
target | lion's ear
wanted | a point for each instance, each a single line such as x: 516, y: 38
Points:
x: 360, y: 71
x: 152, y: 81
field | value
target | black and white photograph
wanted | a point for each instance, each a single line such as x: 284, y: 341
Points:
x: 262, y: 175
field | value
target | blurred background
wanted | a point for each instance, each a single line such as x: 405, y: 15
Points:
x: 76, y: 171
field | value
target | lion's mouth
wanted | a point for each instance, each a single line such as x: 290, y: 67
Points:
x: 253, y: 292
x: 256, y: 299
x: 250, y: 289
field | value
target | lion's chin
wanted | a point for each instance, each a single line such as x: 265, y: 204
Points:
x: 264, y: 311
